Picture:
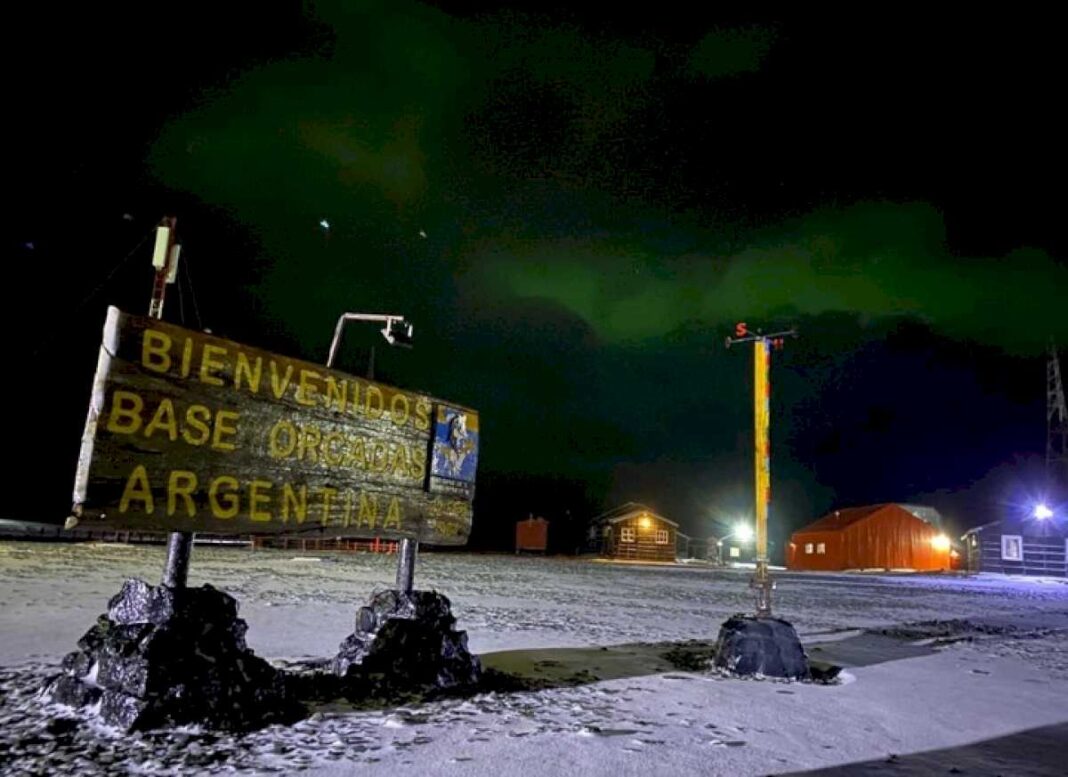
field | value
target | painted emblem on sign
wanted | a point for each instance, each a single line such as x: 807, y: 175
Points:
x: 455, y: 445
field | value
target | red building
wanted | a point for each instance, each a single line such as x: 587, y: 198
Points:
x: 886, y: 536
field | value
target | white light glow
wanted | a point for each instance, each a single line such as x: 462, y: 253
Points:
x: 743, y: 532
x: 1042, y: 512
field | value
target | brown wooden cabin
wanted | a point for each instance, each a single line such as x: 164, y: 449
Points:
x: 1019, y: 546
x: 634, y: 532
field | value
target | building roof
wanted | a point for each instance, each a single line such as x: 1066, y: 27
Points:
x: 629, y: 510
x: 840, y: 519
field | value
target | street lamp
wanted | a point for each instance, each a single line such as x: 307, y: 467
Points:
x: 742, y: 531
x: 1042, y: 511
x: 397, y: 331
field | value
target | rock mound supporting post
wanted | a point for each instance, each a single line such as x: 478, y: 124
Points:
x: 770, y: 647
x: 173, y: 656
x: 405, y: 642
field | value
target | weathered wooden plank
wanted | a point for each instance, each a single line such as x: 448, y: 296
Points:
x: 190, y: 432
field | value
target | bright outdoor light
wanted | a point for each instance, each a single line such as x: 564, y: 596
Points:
x: 940, y: 542
x: 743, y: 532
x: 1042, y: 512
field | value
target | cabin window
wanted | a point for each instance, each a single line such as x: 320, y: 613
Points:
x: 661, y: 537
x: 1011, y: 547
x: 808, y: 548
x: 821, y: 549
x: 736, y: 552
x: 626, y: 534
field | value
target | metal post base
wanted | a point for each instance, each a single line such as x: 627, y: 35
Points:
x: 763, y: 585
x: 406, y: 565
x: 176, y: 569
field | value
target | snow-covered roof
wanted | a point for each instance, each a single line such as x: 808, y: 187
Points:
x: 839, y: 519
x: 629, y: 510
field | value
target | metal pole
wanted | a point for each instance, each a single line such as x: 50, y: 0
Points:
x: 761, y: 423
x: 409, y: 548
x: 176, y: 569
x: 406, y: 565
x: 179, y: 544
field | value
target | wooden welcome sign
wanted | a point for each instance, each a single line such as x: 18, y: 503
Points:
x: 193, y: 433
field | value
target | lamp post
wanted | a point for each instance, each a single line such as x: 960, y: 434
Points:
x: 397, y: 331
x: 742, y: 532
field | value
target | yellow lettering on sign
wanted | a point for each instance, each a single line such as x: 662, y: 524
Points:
x: 279, y: 446
x: 393, y: 514
x: 335, y: 393
x: 328, y: 497
x: 418, y: 471
x: 399, y: 409
x: 310, y: 438
x: 306, y: 390
x: 255, y: 499
x: 155, y: 351
x: 379, y: 457
x: 279, y: 383
x: 400, y: 461
x: 208, y: 363
x: 187, y: 357
x: 348, y: 507
x: 332, y: 456
x: 181, y: 483
x: 196, y: 421
x: 164, y: 419
x: 251, y: 374
x: 137, y: 489
x: 218, y: 441
x: 125, y: 415
x: 373, y: 403
x: 422, y: 415
x: 229, y: 504
x: 368, y: 510
x: 290, y: 500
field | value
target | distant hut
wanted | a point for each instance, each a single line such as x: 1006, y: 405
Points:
x: 634, y: 532
x: 532, y: 535
x: 1019, y: 546
x: 884, y: 536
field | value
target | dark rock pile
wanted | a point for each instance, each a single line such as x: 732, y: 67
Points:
x: 761, y: 646
x: 166, y: 657
x: 405, y: 643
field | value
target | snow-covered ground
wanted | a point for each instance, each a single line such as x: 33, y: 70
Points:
x: 644, y: 716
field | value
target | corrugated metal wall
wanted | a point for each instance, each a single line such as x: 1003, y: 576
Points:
x: 890, y: 538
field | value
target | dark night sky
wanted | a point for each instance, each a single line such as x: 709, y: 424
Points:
x: 602, y: 196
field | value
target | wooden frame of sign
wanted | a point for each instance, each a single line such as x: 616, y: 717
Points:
x: 189, y: 432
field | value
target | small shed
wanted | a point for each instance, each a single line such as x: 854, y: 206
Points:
x: 634, y: 532
x: 1019, y: 546
x: 532, y: 535
x: 883, y: 536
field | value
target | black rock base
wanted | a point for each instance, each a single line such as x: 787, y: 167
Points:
x: 167, y: 657
x: 404, y: 644
x: 761, y: 646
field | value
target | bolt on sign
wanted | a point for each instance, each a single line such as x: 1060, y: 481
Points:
x: 190, y: 432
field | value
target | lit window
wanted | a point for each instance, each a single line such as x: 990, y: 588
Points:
x: 661, y: 537
x: 808, y: 548
x: 736, y: 552
x: 627, y: 534
x: 1012, y: 547
x: 821, y: 549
